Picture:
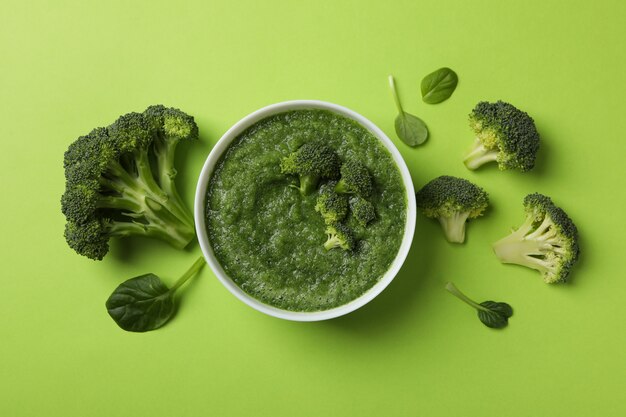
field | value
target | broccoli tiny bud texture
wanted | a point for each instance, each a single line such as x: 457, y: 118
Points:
x: 505, y: 135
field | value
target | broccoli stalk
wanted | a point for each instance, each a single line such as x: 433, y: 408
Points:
x: 454, y: 226
x: 111, y: 188
x: 172, y: 127
x: 547, y: 241
x: 524, y: 245
x: 145, y: 208
x: 452, y: 201
x: 480, y: 155
x: 504, y: 134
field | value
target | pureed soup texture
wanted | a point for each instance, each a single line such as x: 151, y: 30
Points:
x: 268, y: 237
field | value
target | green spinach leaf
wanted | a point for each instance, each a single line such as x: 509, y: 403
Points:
x: 491, y: 313
x: 439, y: 85
x: 410, y: 129
x: 495, y: 315
x: 145, y: 303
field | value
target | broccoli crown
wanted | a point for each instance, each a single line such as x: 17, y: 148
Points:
x: 131, y: 133
x: 332, y: 206
x: 355, y: 179
x: 547, y: 241
x: 452, y: 201
x: 312, y: 159
x: 339, y: 236
x: 171, y: 122
x: 504, y: 134
x: 88, y: 156
x: 311, y: 162
x: 120, y: 182
x: 80, y: 201
x: 89, y: 238
x: 446, y: 196
x: 362, y: 210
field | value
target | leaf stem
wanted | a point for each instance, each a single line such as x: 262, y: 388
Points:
x: 197, y: 266
x: 394, y: 92
x: 452, y: 289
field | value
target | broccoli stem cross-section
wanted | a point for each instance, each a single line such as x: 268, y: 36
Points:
x: 547, y: 241
x: 530, y: 248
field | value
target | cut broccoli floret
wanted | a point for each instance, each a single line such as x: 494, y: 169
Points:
x: 332, y: 206
x: 120, y: 182
x: 311, y: 162
x: 547, y: 241
x: 339, y: 236
x: 355, y: 179
x: 362, y: 210
x: 172, y: 126
x: 504, y: 134
x: 452, y: 201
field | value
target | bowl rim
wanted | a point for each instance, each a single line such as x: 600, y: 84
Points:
x: 207, y: 171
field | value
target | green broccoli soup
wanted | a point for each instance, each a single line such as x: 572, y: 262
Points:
x: 306, y: 210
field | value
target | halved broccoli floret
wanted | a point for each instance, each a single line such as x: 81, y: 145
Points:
x: 452, y: 201
x: 311, y: 162
x: 547, y: 241
x: 362, y: 210
x: 504, y: 134
x: 355, y: 179
x: 120, y: 182
x: 332, y: 206
x: 339, y: 236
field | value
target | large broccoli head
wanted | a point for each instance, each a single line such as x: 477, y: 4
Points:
x: 120, y: 182
x: 452, y: 201
x: 504, y: 134
x: 311, y: 162
x: 547, y: 241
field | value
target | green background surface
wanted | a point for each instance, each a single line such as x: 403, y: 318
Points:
x: 68, y: 66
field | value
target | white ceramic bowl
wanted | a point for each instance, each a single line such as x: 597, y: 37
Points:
x: 200, y: 202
